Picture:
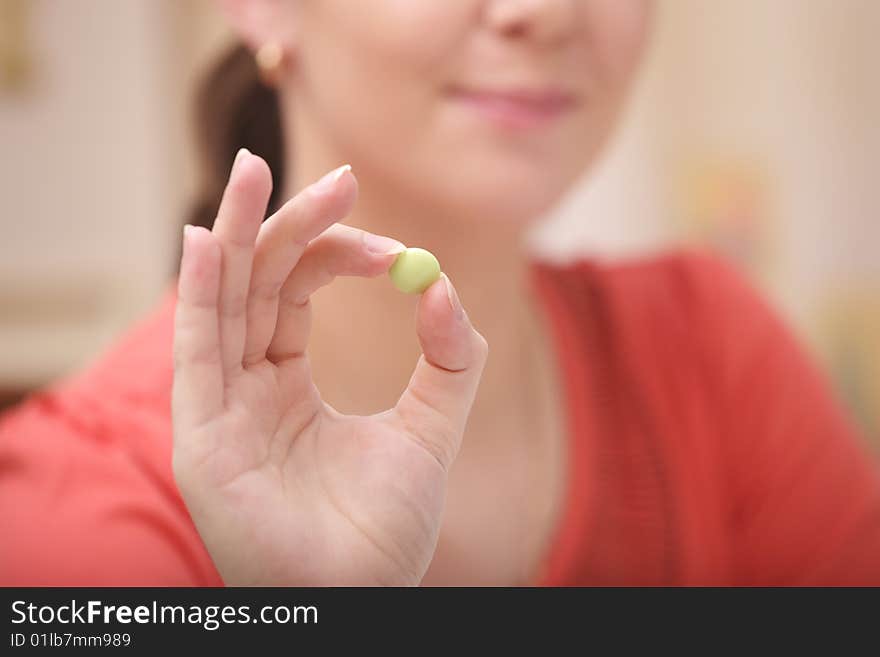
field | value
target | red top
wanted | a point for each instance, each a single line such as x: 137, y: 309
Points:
x: 706, y: 448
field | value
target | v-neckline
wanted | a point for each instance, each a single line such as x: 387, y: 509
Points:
x: 567, y: 543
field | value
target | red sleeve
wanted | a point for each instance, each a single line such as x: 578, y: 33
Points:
x: 803, y: 488
x: 78, y: 509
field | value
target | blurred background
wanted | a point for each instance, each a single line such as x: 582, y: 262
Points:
x: 753, y: 128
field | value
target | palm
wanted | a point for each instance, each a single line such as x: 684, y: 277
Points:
x: 350, y: 488
x: 282, y: 487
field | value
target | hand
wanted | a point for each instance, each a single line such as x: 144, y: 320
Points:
x: 283, y: 489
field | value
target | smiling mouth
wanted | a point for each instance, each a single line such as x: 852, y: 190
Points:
x: 518, y: 109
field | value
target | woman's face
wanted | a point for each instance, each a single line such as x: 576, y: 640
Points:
x: 488, y: 108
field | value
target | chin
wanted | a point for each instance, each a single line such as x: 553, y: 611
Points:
x: 509, y: 209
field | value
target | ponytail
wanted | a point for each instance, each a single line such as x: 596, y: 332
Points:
x: 234, y: 109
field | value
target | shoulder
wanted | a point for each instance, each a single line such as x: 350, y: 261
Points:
x: 121, y: 394
x: 690, y: 329
x: 87, y: 461
x: 129, y: 379
x: 689, y: 274
x: 111, y: 416
x: 681, y: 291
x: 87, y: 507
x: 686, y: 325
x: 117, y: 406
x: 137, y: 366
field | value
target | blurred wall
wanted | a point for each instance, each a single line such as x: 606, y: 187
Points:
x: 752, y: 128
x: 94, y: 174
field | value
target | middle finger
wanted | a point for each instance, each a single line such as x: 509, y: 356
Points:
x: 280, y: 244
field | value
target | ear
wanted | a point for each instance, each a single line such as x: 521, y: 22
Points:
x: 257, y: 22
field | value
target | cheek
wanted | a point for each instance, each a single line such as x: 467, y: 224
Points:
x: 614, y: 32
x: 377, y: 52
x: 372, y: 69
x: 617, y: 31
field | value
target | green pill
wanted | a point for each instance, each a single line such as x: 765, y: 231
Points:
x: 414, y: 271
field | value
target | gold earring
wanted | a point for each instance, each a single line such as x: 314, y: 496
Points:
x: 270, y: 61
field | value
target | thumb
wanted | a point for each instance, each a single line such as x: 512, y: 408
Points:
x: 437, y: 401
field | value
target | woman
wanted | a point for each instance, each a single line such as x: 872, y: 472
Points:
x: 646, y: 422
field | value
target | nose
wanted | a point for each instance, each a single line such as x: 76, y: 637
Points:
x: 543, y: 21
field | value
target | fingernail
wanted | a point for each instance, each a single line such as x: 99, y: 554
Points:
x: 329, y: 181
x: 238, y: 157
x: 454, y: 301
x: 185, y: 244
x: 382, y: 245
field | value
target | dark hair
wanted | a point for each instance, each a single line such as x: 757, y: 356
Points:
x: 234, y: 109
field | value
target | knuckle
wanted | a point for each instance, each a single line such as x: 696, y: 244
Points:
x: 337, y: 232
x: 292, y: 300
x: 234, y: 305
x: 331, y: 268
x: 266, y: 290
x: 190, y: 348
x: 303, y: 243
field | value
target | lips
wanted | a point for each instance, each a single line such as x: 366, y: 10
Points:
x: 517, y: 108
